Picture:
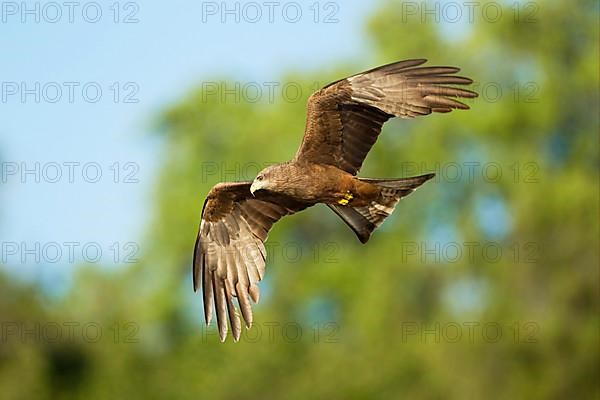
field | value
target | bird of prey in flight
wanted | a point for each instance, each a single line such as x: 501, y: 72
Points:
x: 343, y: 121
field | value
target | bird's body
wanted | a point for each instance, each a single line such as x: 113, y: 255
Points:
x: 344, y: 120
x: 333, y: 186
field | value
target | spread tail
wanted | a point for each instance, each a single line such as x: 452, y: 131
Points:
x: 364, y: 220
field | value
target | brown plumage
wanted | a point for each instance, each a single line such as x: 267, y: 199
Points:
x: 343, y: 122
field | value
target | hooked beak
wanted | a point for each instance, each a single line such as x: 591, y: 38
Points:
x: 256, y: 185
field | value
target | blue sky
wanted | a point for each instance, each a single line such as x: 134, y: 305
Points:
x: 161, y: 57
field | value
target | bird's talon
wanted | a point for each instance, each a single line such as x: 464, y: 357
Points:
x: 347, y: 197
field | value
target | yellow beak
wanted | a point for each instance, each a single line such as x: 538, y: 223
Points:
x: 256, y: 185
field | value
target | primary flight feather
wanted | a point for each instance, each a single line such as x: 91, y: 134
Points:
x: 343, y: 122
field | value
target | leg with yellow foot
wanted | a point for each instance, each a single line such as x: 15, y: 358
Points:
x: 346, y: 199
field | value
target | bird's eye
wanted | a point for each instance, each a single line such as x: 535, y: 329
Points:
x: 259, y: 178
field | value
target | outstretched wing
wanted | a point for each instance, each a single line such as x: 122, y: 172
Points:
x: 345, y: 117
x: 229, y: 255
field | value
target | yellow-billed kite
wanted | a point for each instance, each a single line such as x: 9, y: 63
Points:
x: 343, y: 122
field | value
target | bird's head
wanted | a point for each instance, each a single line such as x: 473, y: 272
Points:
x: 268, y: 179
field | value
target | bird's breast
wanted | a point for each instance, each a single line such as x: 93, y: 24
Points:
x: 319, y: 183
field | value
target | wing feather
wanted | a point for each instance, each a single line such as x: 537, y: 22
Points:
x: 345, y: 117
x: 229, y: 255
x: 234, y: 318
x: 220, y: 307
x: 208, y: 292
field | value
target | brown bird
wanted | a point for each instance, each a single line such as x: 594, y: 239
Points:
x: 343, y: 122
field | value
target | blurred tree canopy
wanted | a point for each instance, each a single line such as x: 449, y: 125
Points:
x: 536, y: 122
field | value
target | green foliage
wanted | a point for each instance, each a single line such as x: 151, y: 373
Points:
x: 542, y: 133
